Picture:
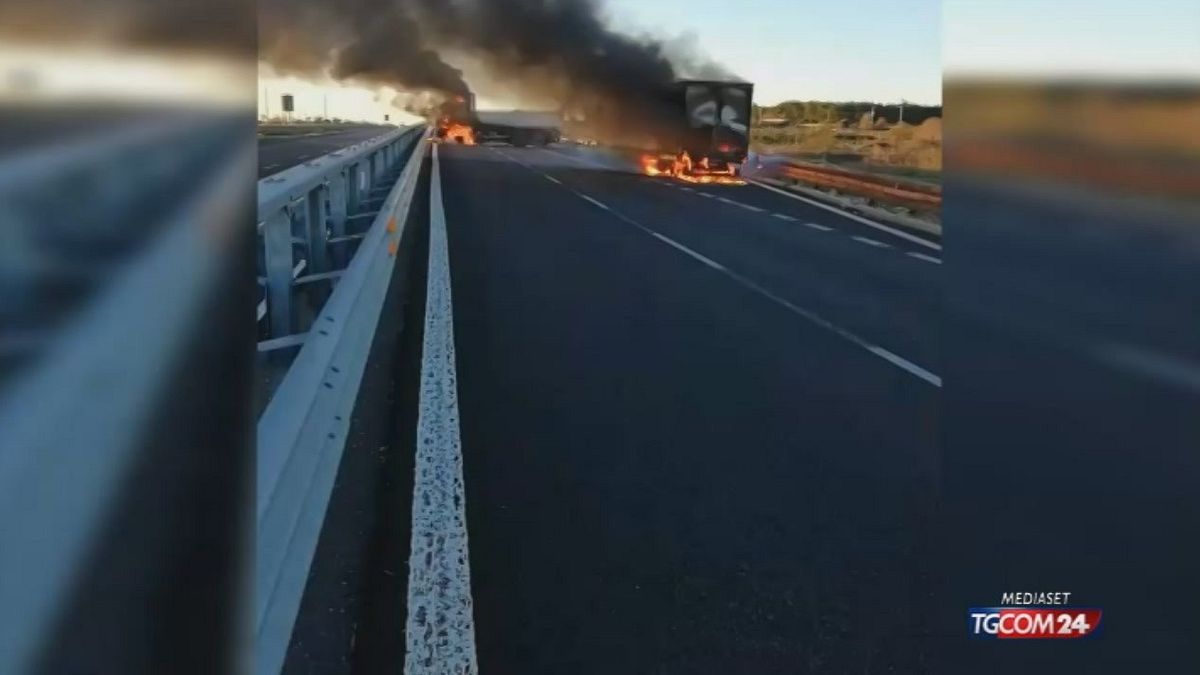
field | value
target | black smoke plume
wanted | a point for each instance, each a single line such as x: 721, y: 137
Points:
x: 557, y: 50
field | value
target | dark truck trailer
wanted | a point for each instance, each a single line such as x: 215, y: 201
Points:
x: 711, y: 133
x: 517, y: 127
x: 461, y: 122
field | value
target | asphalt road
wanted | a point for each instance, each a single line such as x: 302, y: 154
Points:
x: 717, y: 429
x: 695, y: 435
x: 276, y: 153
x: 1070, y: 423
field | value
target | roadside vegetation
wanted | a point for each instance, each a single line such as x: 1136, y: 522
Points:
x: 902, y: 141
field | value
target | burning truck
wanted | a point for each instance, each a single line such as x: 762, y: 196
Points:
x: 460, y: 122
x: 708, y: 136
x: 693, y: 130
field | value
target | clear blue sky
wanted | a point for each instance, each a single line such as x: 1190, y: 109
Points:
x: 831, y: 50
x: 1126, y: 38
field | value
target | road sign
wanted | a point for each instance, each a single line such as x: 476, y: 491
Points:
x: 288, y: 103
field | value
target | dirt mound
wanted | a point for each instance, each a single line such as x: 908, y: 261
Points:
x: 930, y: 130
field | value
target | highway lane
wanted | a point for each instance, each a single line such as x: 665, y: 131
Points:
x: 671, y: 469
x: 1070, y: 421
x: 881, y: 285
x: 276, y: 153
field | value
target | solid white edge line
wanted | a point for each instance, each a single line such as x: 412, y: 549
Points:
x: 440, y: 629
x: 857, y: 218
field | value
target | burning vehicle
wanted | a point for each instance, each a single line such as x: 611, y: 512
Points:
x: 460, y: 122
x: 708, y: 137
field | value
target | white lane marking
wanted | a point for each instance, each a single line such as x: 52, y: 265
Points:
x: 891, y: 357
x: 594, y: 201
x: 784, y: 216
x: 1147, y: 363
x: 706, y: 194
x: 270, y: 166
x: 739, y: 204
x: 857, y: 218
x: 671, y: 242
x: 505, y: 155
x: 871, y: 242
x: 580, y: 160
x: 440, y: 632
x: 926, y: 258
x: 818, y: 226
x: 552, y: 179
x: 686, y: 188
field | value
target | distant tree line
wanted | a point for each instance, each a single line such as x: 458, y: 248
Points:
x: 801, y: 112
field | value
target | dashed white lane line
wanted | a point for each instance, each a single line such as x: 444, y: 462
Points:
x: 816, y: 319
x: 671, y: 242
x: 594, y: 201
x: 871, y: 242
x: 552, y: 179
x: 686, y: 188
x: 857, y: 218
x: 1167, y: 368
x: 440, y: 633
x: 926, y: 258
x: 579, y: 160
x: 818, y: 226
x: 748, y: 207
x: 706, y: 194
x: 784, y: 216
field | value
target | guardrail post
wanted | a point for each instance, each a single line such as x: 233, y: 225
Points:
x: 277, y: 241
x: 339, y: 195
x: 317, y: 232
x: 353, y: 176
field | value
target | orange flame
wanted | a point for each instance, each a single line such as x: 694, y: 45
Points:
x: 457, y: 132
x: 682, y: 168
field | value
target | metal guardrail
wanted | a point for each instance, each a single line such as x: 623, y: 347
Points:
x: 310, y: 217
x: 880, y: 188
x: 73, y: 424
x: 74, y: 211
x: 303, y: 431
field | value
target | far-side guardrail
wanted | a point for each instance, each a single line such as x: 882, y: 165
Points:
x: 880, y: 188
x: 303, y: 431
x: 310, y: 219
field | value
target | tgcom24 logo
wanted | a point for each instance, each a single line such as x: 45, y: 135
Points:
x: 1033, y: 616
